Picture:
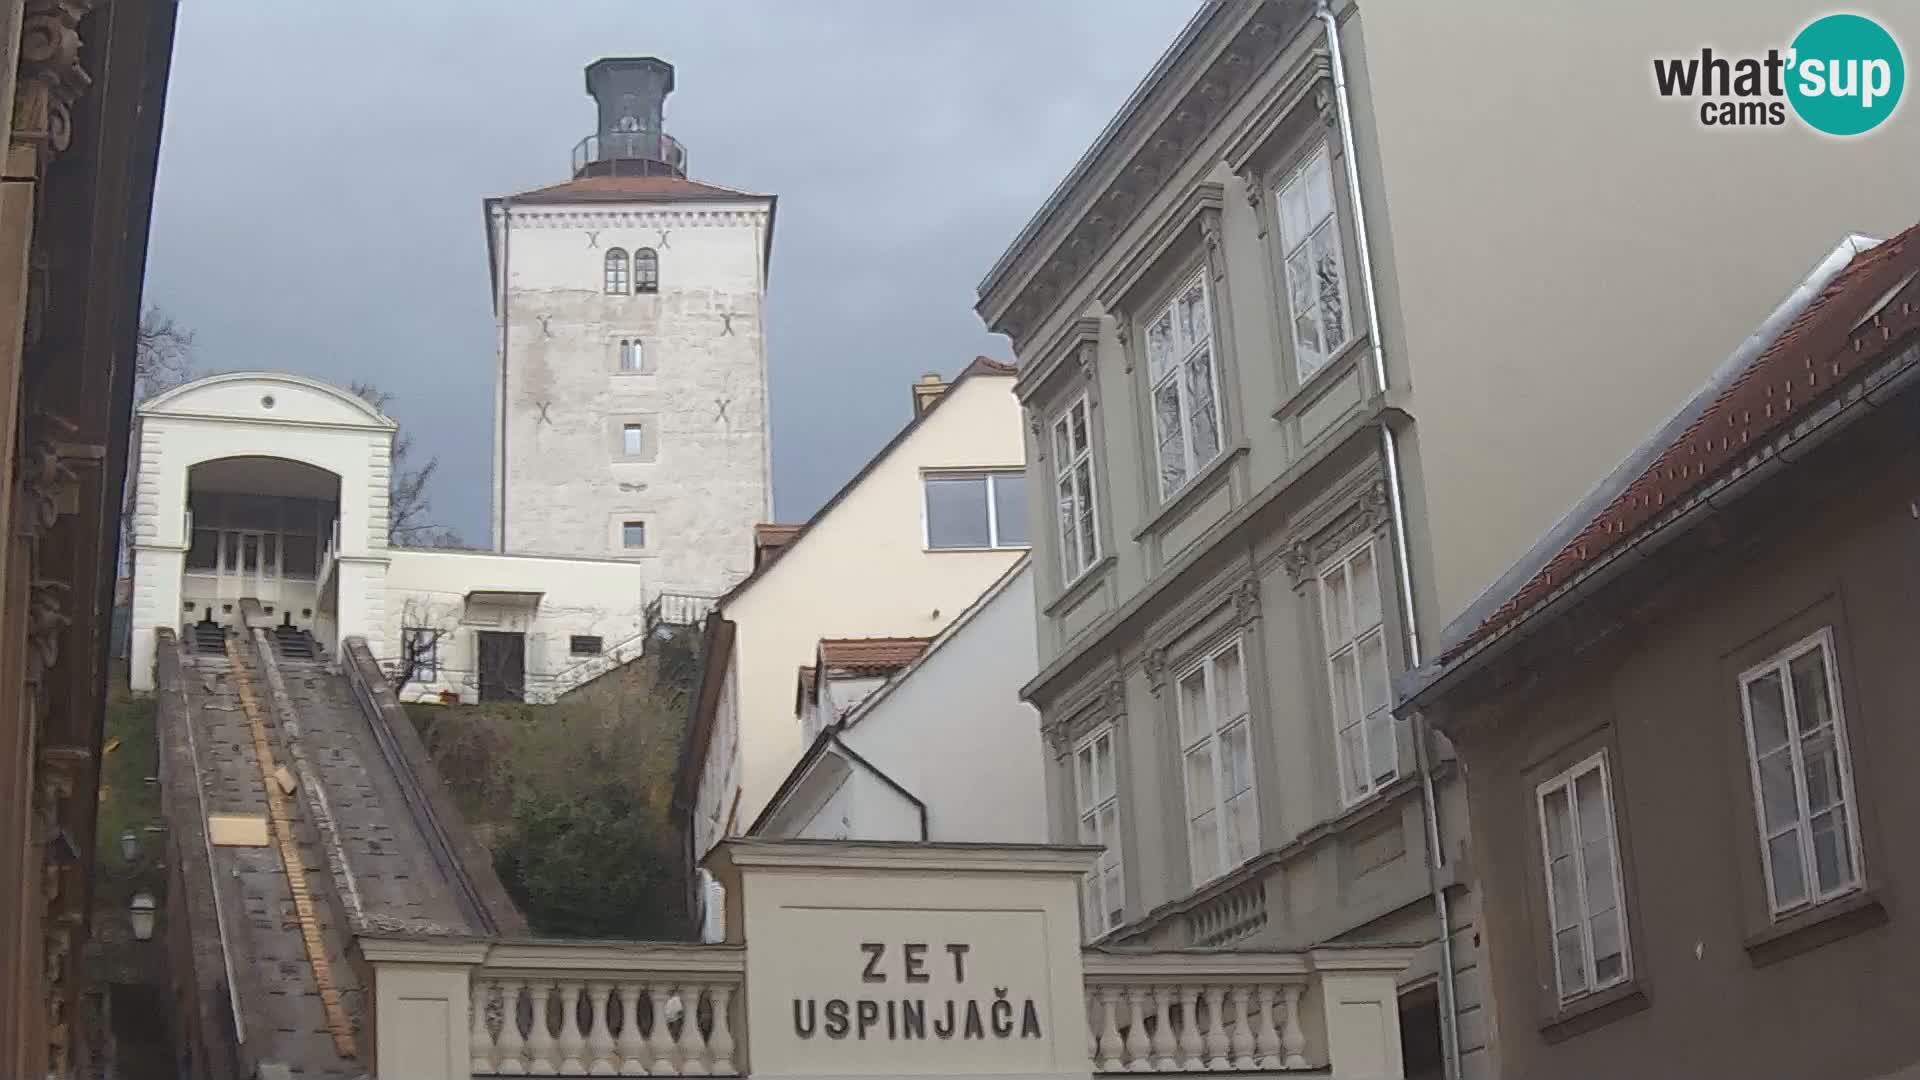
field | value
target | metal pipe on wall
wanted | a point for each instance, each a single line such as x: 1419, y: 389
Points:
x: 1396, y: 500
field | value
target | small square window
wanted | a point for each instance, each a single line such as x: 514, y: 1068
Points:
x: 630, y: 440
x: 633, y: 534
x: 976, y: 510
x: 584, y: 645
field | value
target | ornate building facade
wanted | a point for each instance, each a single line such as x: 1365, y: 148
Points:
x: 83, y: 87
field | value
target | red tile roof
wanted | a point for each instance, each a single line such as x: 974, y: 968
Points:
x: 871, y: 655
x: 626, y: 188
x: 1819, y: 350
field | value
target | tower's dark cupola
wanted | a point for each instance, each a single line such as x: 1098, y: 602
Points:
x: 631, y: 140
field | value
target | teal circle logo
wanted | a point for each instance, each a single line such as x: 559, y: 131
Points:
x: 1846, y: 76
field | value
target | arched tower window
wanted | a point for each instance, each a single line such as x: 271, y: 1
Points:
x: 646, y: 271
x: 629, y: 354
x: 617, y: 272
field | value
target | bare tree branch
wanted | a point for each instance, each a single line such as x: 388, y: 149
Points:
x: 408, y: 501
x: 162, y: 355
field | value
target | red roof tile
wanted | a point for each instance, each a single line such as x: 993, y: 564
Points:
x: 883, y: 654
x: 626, y: 188
x: 1819, y: 350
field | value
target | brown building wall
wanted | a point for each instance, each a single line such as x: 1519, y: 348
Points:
x: 1716, y: 989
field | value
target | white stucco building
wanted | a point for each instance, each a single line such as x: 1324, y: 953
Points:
x: 900, y: 552
x: 269, y: 488
x: 631, y: 405
x: 942, y: 750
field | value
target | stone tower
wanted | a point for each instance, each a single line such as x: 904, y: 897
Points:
x: 630, y: 403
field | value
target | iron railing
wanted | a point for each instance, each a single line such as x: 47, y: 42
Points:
x: 629, y: 153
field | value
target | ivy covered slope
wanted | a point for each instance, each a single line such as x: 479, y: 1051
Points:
x: 574, y: 799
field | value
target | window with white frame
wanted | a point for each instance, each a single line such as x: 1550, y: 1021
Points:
x: 1097, y: 798
x: 1582, y: 863
x: 1073, y: 482
x: 1802, y: 775
x: 1357, y: 674
x: 632, y: 439
x: 976, y: 509
x: 1216, y: 752
x: 1315, y: 277
x: 1185, y: 382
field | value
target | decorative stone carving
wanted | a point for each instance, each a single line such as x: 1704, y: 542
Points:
x: 1085, y: 358
x: 1246, y: 601
x: 1375, y: 507
x: 44, y: 478
x: 1210, y: 236
x: 1323, y: 100
x: 46, y: 618
x: 1059, y: 739
x: 1155, y: 666
x: 51, y: 78
x: 1298, y: 560
x: 1113, y: 699
x: 1256, y: 200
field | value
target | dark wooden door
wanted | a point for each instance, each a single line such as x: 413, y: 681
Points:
x: 503, y: 666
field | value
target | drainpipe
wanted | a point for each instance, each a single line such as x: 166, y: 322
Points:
x: 1396, y: 501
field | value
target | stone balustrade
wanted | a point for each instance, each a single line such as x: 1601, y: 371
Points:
x: 1200, y: 1010
x: 606, y: 1009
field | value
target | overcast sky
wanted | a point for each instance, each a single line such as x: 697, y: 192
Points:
x: 323, y: 167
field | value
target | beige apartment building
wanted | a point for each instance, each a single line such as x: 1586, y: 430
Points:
x: 1334, y: 319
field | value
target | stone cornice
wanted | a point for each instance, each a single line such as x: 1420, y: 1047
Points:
x: 818, y: 855
x: 629, y: 217
x: 1082, y: 221
x: 1201, y: 203
x: 1078, y: 341
x: 1313, y: 74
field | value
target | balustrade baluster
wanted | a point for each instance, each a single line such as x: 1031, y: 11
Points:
x: 632, y: 1045
x: 479, y: 1038
x: 722, y: 1041
x: 1164, y: 1046
x: 1138, y: 1047
x: 660, y: 1039
x: 1266, y: 1041
x: 540, y: 1045
x: 572, y: 1045
x: 1190, y: 1045
x: 512, y: 1046
x: 1242, y: 1031
x: 693, y: 1048
x: 600, y: 1061
x: 1216, y: 1028
x: 1110, y: 1047
x: 1293, y: 1041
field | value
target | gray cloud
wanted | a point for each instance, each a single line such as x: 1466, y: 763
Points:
x: 323, y: 165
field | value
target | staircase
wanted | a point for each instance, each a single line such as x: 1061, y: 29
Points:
x: 208, y: 638
x: 293, y: 643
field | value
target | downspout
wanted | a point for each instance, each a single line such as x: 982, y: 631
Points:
x: 1396, y: 502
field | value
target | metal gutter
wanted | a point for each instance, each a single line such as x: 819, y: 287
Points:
x: 1396, y: 500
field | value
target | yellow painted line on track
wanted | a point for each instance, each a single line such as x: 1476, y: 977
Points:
x: 338, y: 1024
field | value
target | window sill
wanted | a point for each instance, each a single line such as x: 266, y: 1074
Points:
x: 1831, y: 921
x: 1014, y: 548
x: 1330, y: 372
x: 1598, y: 1009
x: 1198, y: 486
x: 1081, y: 586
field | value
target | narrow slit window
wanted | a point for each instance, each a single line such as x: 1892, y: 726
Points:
x: 632, y: 440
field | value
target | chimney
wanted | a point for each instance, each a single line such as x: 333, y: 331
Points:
x: 927, y: 390
x: 630, y: 95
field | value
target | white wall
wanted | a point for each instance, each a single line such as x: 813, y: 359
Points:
x: 954, y: 732
x: 862, y: 570
x: 258, y: 414
x: 701, y: 393
x: 428, y: 588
